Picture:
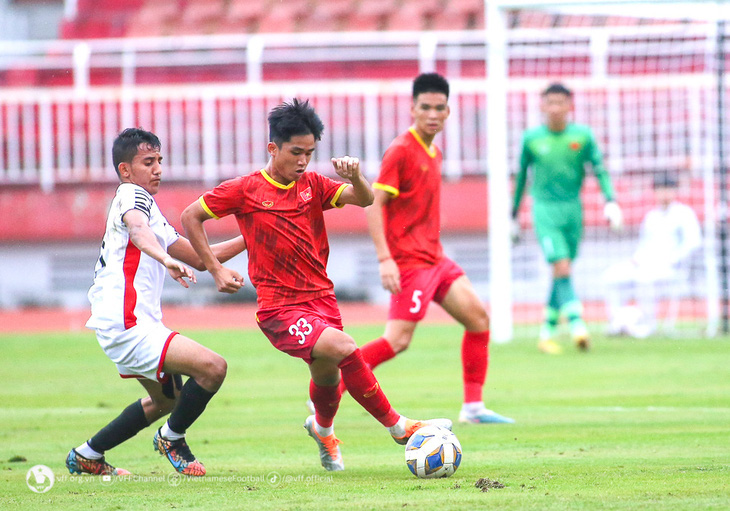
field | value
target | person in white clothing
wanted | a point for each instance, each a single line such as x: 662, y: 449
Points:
x: 139, y: 248
x: 670, y: 233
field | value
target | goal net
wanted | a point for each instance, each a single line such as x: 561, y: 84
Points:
x: 645, y: 78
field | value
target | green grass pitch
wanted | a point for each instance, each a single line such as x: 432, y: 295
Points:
x: 630, y: 425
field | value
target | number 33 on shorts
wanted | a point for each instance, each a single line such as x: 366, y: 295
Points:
x: 301, y: 329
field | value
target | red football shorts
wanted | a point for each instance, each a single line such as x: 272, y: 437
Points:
x: 295, y: 329
x: 421, y: 286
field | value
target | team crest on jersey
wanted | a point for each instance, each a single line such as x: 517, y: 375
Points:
x: 306, y: 194
x: 268, y: 203
x: 575, y: 145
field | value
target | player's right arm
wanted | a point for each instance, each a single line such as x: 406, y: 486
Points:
x: 226, y: 280
x: 521, y: 178
x: 183, y: 250
x: 389, y: 272
x: 141, y: 235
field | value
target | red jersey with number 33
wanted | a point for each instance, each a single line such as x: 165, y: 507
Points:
x: 284, y: 229
x: 411, y: 173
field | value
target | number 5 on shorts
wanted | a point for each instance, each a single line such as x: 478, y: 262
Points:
x: 301, y: 329
x: 416, y: 302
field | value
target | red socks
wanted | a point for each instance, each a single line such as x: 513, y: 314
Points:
x: 326, y: 402
x: 374, y: 353
x: 474, y: 360
x: 365, y: 389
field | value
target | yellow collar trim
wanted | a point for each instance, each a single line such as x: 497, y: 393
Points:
x: 276, y: 183
x: 430, y: 150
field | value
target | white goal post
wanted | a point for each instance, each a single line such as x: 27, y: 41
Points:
x: 658, y: 133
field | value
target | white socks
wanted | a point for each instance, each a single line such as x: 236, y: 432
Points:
x: 87, y: 452
x: 398, y: 429
x: 473, y: 407
x: 169, y: 434
x: 323, y: 432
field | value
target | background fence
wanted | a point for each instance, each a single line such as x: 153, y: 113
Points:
x: 649, y: 92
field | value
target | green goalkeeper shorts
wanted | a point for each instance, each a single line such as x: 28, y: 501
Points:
x: 559, y: 228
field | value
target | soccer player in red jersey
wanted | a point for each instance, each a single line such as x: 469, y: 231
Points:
x: 279, y: 210
x: 404, y: 223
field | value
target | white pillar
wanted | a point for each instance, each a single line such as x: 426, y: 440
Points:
x: 500, y: 247
x: 254, y: 54
x: 81, y: 57
x: 427, y: 53
x: 47, y: 176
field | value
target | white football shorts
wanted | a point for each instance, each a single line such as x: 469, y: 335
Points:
x: 138, y: 352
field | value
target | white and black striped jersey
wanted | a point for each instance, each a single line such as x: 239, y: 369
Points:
x: 127, y: 282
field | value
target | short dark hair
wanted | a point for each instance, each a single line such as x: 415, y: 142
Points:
x: 557, y: 88
x: 292, y: 119
x: 127, y: 143
x: 430, y: 82
x: 666, y: 180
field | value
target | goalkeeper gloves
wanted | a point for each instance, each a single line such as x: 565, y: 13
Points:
x: 612, y: 212
x: 514, y: 230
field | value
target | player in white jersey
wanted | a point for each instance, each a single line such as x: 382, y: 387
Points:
x: 670, y: 234
x: 139, y: 248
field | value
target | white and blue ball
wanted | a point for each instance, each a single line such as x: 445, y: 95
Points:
x: 433, y: 451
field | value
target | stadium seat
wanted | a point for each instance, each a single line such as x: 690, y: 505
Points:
x: 371, y: 15
x: 328, y: 16
x: 574, y: 21
x: 243, y: 16
x: 154, y: 19
x: 622, y: 21
x: 449, y: 20
x: 532, y: 19
x: 414, y: 15
x: 100, y: 19
x: 284, y: 17
x: 460, y: 15
x: 200, y: 16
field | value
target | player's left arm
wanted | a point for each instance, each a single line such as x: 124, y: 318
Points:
x: 360, y: 193
x: 183, y: 250
x: 595, y: 157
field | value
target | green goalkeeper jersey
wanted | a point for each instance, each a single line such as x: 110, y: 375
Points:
x: 558, y: 163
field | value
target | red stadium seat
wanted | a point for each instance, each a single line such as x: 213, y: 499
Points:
x: 371, y: 15
x: 574, y: 21
x: 451, y: 20
x: 154, y: 19
x: 532, y: 19
x: 460, y: 15
x: 329, y: 16
x: 614, y: 21
x: 100, y: 19
x: 284, y: 16
x: 243, y: 16
x: 414, y: 15
x: 200, y: 16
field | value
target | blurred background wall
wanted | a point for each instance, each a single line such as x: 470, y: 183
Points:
x: 203, y: 74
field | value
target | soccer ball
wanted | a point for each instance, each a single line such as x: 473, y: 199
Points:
x: 433, y: 451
